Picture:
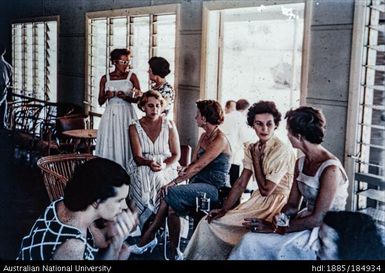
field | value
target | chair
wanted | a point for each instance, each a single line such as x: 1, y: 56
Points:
x: 58, y: 169
x: 65, y: 123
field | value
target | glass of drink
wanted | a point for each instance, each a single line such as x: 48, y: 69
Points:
x: 202, y: 202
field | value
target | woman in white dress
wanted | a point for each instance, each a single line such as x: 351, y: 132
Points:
x: 319, y: 178
x: 156, y: 151
x: 120, y: 89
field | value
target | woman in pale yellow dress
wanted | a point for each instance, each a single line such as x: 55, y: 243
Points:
x: 271, y: 161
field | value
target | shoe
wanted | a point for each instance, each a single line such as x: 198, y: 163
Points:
x: 179, y: 256
x: 141, y: 249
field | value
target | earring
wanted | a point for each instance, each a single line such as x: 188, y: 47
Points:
x: 95, y: 205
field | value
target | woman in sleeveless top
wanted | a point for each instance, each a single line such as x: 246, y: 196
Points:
x: 207, y: 173
x: 272, y: 163
x: 67, y: 230
x: 118, y: 88
x: 156, y: 151
x: 319, y: 178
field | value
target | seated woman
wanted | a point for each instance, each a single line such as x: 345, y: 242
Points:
x: 347, y: 235
x: 318, y: 177
x: 272, y: 163
x: 67, y: 229
x: 207, y: 173
x: 156, y: 151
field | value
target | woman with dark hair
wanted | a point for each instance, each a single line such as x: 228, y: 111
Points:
x: 156, y: 151
x: 319, y: 178
x: 207, y: 173
x: 159, y: 69
x: 347, y: 235
x: 120, y: 89
x: 67, y: 229
x: 271, y: 161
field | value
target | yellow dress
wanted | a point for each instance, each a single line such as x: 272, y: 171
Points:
x: 214, y: 241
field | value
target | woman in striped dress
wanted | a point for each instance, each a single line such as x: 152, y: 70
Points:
x: 156, y: 151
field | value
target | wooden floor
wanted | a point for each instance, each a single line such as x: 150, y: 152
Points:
x: 24, y: 198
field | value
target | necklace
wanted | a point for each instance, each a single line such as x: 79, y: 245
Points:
x: 208, y: 137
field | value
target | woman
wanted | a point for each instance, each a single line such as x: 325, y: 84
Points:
x: 67, y: 229
x: 318, y: 177
x: 159, y: 69
x: 272, y: 163
x: 207, y: 173
x: 156, y: 151
x: 347, y: 235
x: 118, y: 88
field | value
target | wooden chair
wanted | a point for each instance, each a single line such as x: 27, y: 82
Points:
x: 65, y: 123
x: 58, y: 169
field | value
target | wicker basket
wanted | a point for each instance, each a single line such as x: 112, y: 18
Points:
x: 58, y: 169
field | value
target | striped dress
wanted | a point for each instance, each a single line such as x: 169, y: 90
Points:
x: 145, y: 183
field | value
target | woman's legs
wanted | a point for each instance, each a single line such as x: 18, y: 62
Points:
x: 173, y: 222
x: 155, y: 225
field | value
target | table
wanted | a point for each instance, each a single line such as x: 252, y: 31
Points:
x: 87, y: 135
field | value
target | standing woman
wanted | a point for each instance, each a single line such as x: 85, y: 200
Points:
x: 118, y: 89
x: 271, y: 161
x: 319, y: 178
x: 156, y: 151
x: 159, y: 69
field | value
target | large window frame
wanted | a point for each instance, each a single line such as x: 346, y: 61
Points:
x: 153, y: 13
x: 35, y: 47
x: 367, y: 187
x: 212, y: 68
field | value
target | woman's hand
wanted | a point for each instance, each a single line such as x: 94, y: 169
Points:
x: 258, y: 225
x: 117, y: 231
x: 156, y: 167
x: 215, y: 214
x: 257, y: 150
x: 182, y: 171
x: 110, y: 94
x: 163, y: 190
x: 122, y: 95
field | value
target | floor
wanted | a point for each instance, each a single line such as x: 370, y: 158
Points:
x: 24, y: 198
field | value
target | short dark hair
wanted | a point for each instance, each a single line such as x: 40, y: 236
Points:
x: 118, y: 52
x: 229, y: 102
x: 211, y: 110
x: 151, y: 93
x: 159, y: 66
x: 358, y: 235
x: 242, y: 104
x: 94, y: 180
x: 308, y: 122
x: 263, y: 107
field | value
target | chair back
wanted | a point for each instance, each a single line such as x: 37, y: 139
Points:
x: 58, y: 169
x: 70, y: 123
x: 185, y: 155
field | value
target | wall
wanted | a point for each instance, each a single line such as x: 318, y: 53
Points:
x: 328, y: 67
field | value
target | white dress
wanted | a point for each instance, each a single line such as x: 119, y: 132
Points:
x: 294, y: 245
x: 112, y: 141
x: 145, y: 183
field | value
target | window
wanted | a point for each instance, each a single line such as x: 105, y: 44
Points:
x: 262, y: 61
x: 366, y: 153
x: 147, y: 32
x: 34, y: 55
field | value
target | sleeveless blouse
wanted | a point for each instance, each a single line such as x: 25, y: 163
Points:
x: 48, y: 234
x: 309, y: 185
x: 216, y: 173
